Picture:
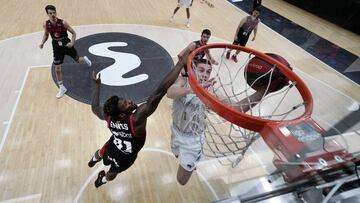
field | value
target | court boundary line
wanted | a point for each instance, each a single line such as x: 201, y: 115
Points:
x: 23, y: 198
x: 8, y: 125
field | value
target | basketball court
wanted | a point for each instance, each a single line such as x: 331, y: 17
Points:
x: 47, y: 142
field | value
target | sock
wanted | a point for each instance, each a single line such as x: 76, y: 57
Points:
x: 94, y: 159
x: 103, y: 180
x: 98, y: 152
x: 60, y: 83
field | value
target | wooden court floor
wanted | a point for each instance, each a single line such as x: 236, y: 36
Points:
x: 46, y: 143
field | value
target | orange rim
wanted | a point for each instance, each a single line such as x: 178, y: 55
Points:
x: 234, y: 116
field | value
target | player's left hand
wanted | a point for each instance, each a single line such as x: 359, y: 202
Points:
x: 253, y: 39
x: 208, y: 83
x: 213, y: 61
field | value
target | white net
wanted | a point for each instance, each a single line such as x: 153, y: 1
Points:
x: 225, y: 140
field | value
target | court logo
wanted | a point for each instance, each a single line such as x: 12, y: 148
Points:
x: 131, y: 66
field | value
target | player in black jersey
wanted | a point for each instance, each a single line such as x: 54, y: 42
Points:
x: 127, y: 123
x: 205, y: 36
x: 61, y: 44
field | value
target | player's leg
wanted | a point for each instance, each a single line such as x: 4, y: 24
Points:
x: 99, y: 154
x: 189, y: 156
x: 175, y: 10
x: 117, y: 166
x: 58, y: 60
x: 83, y: 59
x: 174, y: 142
x: 105, y: 177
x: 243, y: 37
x: 188, y: 17
x: 228, y: 53
x: 235, y: 42
x: 183, y: 175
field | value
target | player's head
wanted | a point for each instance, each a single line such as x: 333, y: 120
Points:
x: 203, y: 70
x: 205, y: 36
x: 51, y: 11
x: 256, y: 12
x: 115, y: 106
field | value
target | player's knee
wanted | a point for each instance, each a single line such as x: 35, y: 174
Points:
x: 110, y: 176
x: 57, y: 68
x: 183, y: 176
x: 182, y: 181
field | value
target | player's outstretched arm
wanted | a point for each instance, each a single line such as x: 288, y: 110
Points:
x: 153, y: 101
x: 178, y: 89
x: 95, y: 103
x: 187, y: 49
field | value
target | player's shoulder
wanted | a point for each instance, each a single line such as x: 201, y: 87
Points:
x: 193, y: 44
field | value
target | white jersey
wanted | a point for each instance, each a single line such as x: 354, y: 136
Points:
x: 189, y: 114
x: 184, y: 3
x: 188, y: 129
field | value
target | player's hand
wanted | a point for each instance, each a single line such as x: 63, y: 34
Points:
x: 213, y: 61
x: 208, y: 83
x: 95, y: 79
x: 69, y: 45
x: 41, y: 46
x: 253, y: 39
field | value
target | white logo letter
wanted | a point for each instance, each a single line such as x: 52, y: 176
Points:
x: 124, y: 63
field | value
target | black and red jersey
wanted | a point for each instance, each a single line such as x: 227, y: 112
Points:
x: 58, y: 32
x: 124, y: 138
x: 201, y: 54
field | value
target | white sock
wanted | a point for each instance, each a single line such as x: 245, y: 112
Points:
x: 104, y: 179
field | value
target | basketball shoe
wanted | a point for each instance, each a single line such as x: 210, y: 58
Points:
x: 98, y: 181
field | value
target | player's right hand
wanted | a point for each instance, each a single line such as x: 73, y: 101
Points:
x: 95, y: 79
x: 41, y: 46
x: 208, y: 83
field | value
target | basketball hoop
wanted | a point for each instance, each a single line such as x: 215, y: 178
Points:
x: 281, y: 114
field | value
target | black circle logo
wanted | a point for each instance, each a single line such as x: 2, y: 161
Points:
x: 131, y: 67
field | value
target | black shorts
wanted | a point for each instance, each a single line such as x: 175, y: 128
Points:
x: 59, y: 53
x: 118, y: 161
x: 242, y: 37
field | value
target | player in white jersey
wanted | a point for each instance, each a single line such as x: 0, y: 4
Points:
x: 183, y: 3
x: 189, y: 123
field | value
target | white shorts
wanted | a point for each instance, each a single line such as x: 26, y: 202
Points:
x: 184, y: 3
x: 186, y: 147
